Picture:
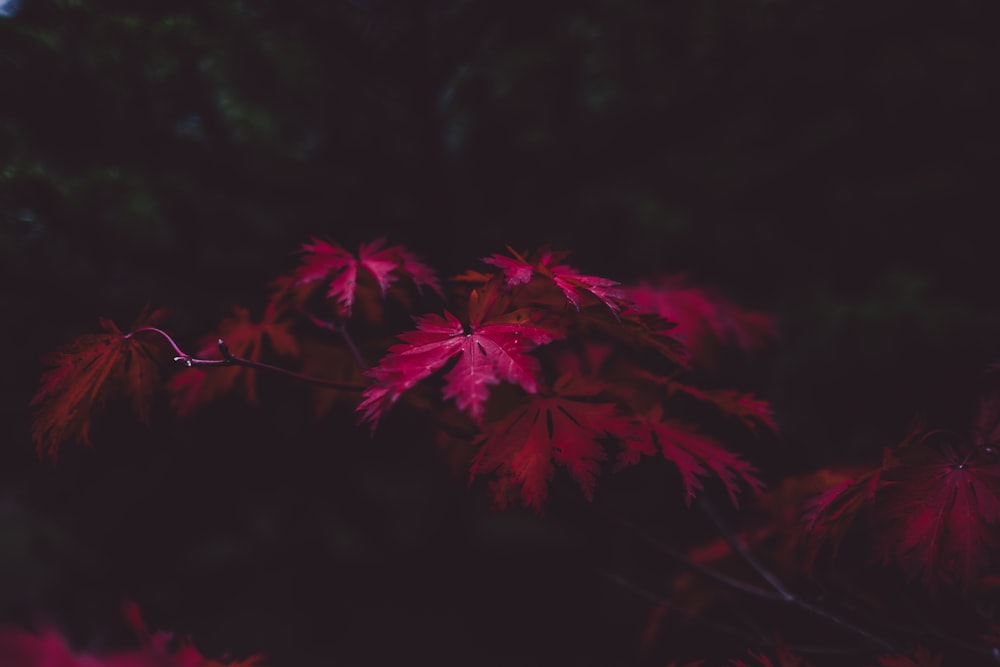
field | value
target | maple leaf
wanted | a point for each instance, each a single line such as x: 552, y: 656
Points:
x: 574, y: 285
x: 937, y: 508
x: 562, y: 426
x: 244, y: 338
x: 747, y: 408
x: 828, y: 516
x: 704, y: 317
x: 493, y: 348
x: 325, y: 262
x: 637, y: 331
x: 89, y: 369
x: 942, y: 513
x: 695, y: 455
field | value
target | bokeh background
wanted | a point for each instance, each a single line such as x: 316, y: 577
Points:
x: 831, y: 162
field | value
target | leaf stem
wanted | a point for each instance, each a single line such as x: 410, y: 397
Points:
x: 163, y: 333
x: 341, y: 330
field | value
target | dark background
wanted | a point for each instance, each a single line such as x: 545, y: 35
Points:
x: 831, y: 162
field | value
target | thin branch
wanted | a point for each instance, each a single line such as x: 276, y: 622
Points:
x: 780, y: 594
x: 685, y: 561
x: 229, y: 359
x: 697, y: 618
x: 784, y: 594
x: 738, y: 546
x: 749, y: 638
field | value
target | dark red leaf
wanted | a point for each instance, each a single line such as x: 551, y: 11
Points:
x: 696, y: 456
x: 85, y: 372
x: 829, y: 515
x: 562, y: 427
x: 704, y: 317
x: 942, y: 513
x: 747, y: 408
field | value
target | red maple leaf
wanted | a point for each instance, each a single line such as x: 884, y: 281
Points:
x: 828, y: 516
x: 636, y: 331
x: 747, y: 408
x: 562, y: 426
x: 327, y: 263
x: 89, y: 369
x: 574, y: 285
x: 936, y: 508
x: 704, y: 317
x: 696, y: 455
x: 942, y: 514
x: 244, y: 338
x: 493, y: 348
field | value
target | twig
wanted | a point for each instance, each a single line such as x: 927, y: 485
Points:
x: 660, y: 600
x: 741, y: 548
x: 750, y: 638
x: 685, y: 561
x: 772, y: 579
x: 229, y: 359
x: 780, y: 592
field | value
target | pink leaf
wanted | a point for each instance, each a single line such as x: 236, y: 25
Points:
x: 326, y: 262
x: 574, y: 285
x: 488, y: 352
